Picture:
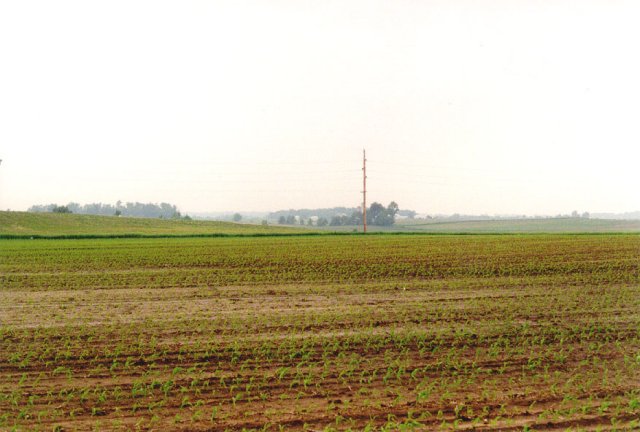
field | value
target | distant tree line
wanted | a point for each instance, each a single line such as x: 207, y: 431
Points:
x: 299, y: 220
x: 377, y: 214
x: 327, y: 213
x: 61, y: 209
x: 305, y: 214
x: 131, y: 209
x: 380, y: 215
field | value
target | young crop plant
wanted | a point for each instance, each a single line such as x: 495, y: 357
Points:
x: 234, y: 333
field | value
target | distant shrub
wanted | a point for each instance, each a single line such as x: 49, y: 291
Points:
x: 61, y: 209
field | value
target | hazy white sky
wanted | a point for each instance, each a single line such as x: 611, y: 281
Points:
x: 463, y: 106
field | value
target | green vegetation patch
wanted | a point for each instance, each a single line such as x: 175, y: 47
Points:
x: 382, y: 332
x: 25, y: 224
x: 548, y: 225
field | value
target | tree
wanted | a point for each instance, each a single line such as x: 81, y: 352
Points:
x: 374, y: 210
x: 61, y: 209
x: 322, y: 222
x: 393, y: 208
x: 237, y: 217
x: 335, y: 221
x: 387, y: 217
x: 291, y: 220
x: 384, y: 219
x: 356, y: 218
x: 282, y: 220
x: 377, y: 214
x: 74, y: 207
x: 118, y: 212
x: 163, y: 210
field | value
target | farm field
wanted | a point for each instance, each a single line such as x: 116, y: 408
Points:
x: 475, y: 332
x: 550, y: 225
x: 25, y: 224
x: 502, y: 226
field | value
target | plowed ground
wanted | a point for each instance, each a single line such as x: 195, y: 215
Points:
x: 321, y: 333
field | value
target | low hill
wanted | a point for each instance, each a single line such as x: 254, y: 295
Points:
x: 550, y: 225
x: 506, y: 226
x: 56, y: 224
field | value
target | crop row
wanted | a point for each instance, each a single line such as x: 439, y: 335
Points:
x: 193, y: 336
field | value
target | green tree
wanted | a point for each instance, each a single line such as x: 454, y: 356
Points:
x: 237, y: 217
x: 356, y: 218
x: 61, y: 209
x: 393, y: 208
x: 377, y: 214
x: 373, y: 212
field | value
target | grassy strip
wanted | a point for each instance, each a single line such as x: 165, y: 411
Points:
x: 307, y: 234
x: 151, y: 236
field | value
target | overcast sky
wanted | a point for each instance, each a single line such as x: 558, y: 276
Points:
x: 518, y: 107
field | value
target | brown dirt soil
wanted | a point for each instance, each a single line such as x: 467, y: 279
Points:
x: 546, y: 352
